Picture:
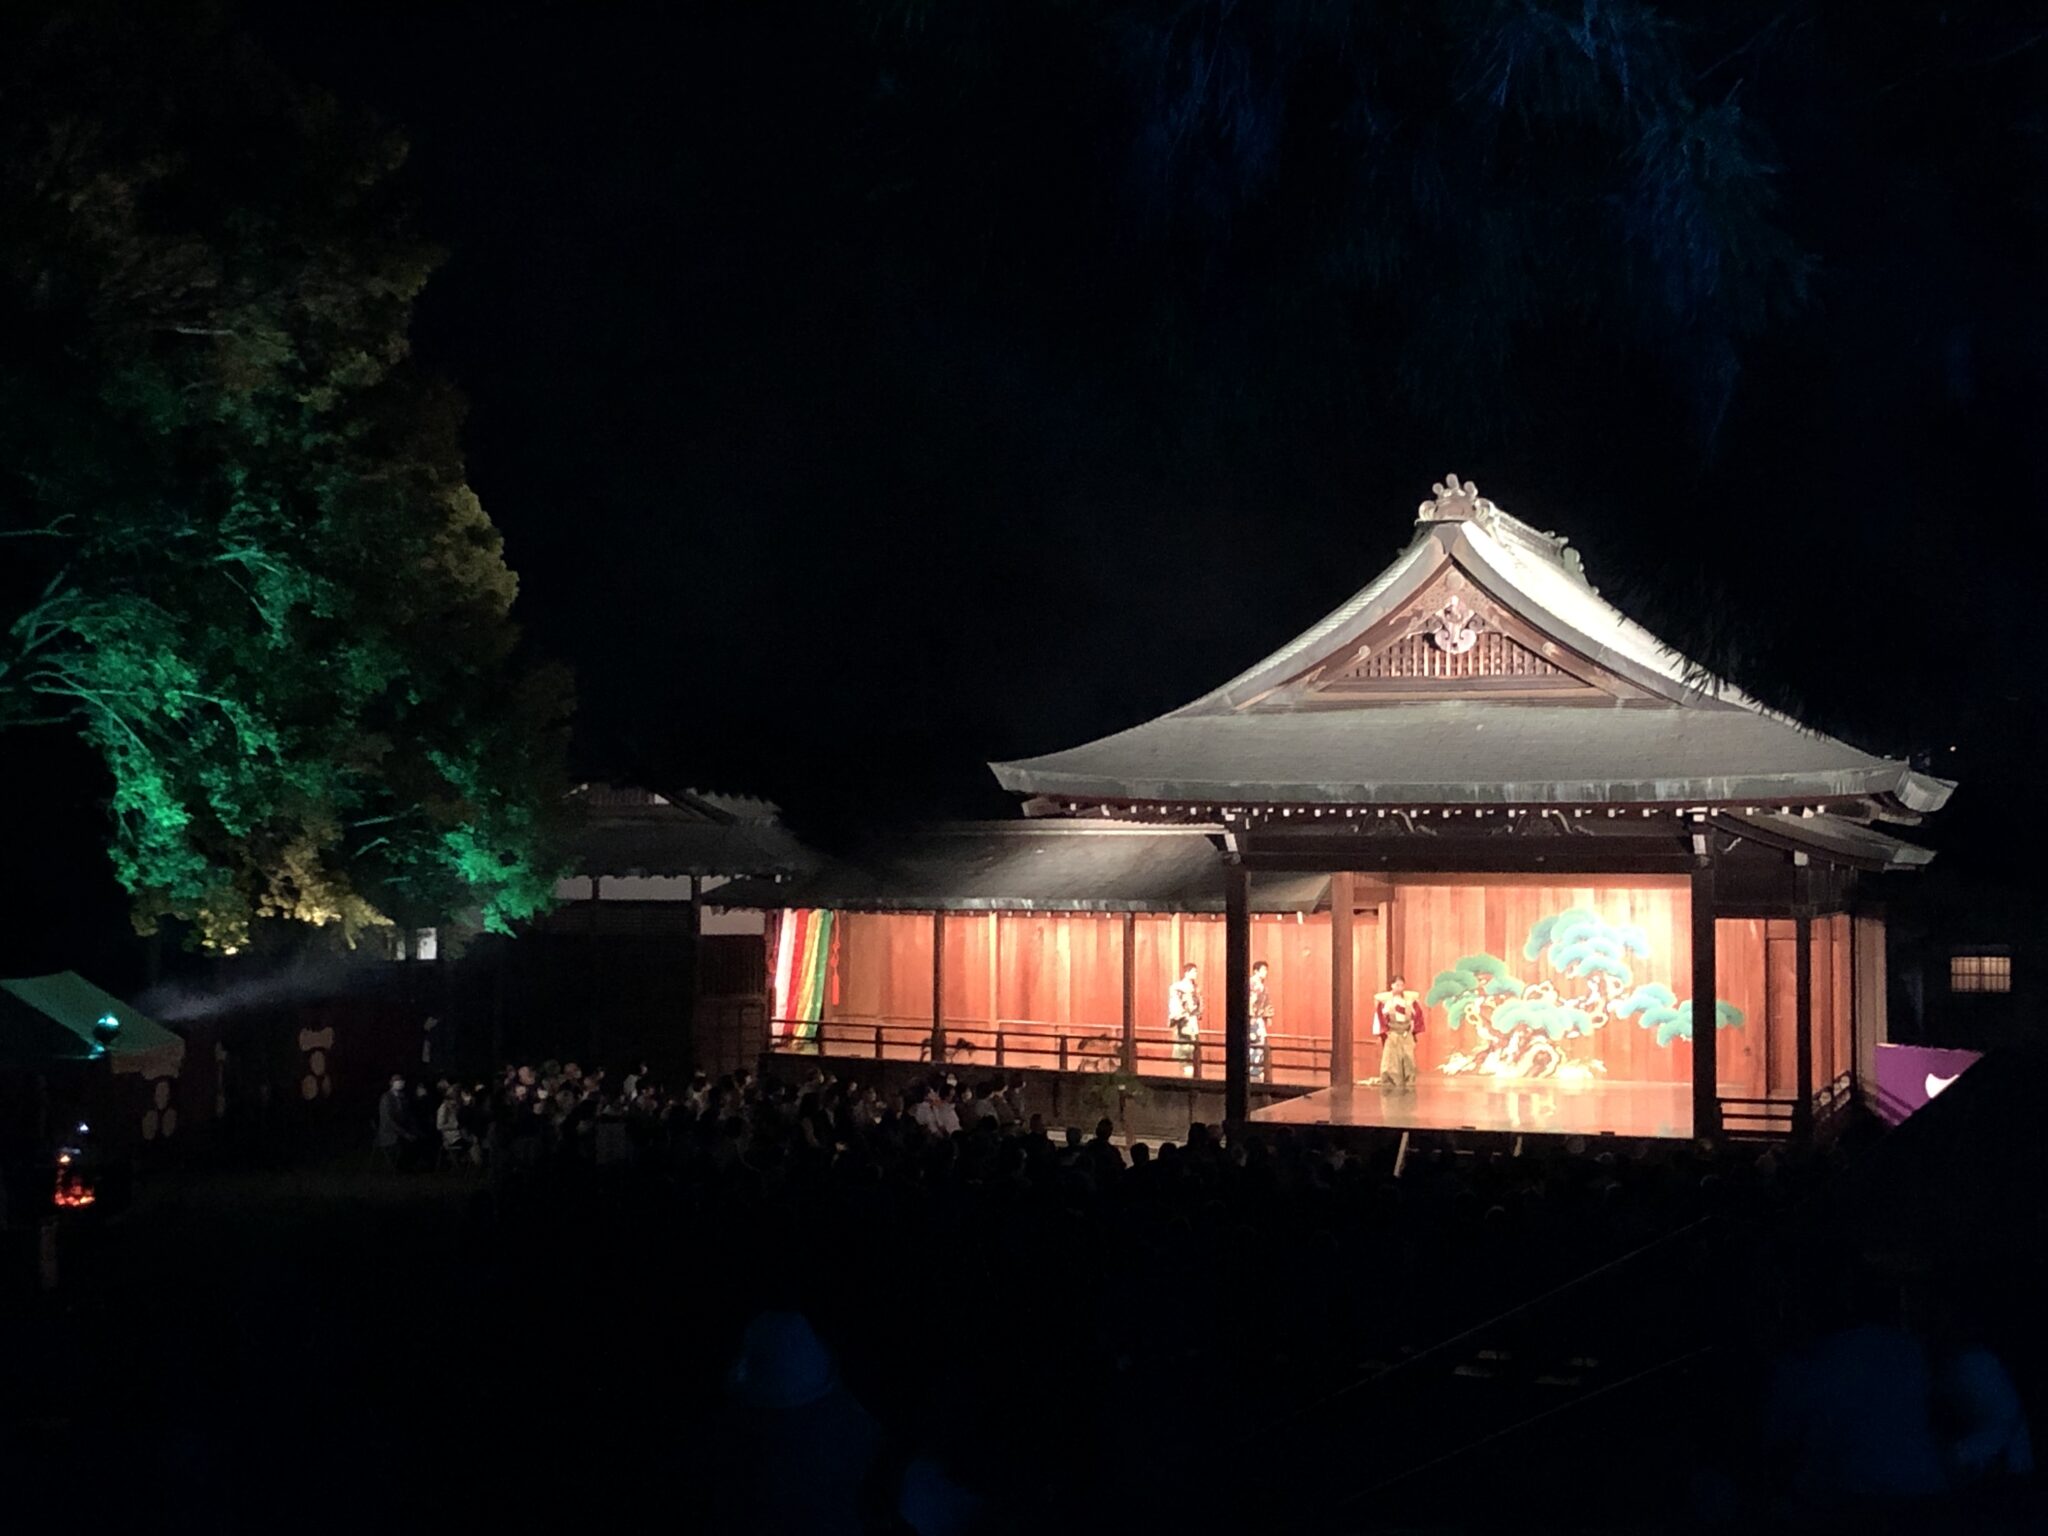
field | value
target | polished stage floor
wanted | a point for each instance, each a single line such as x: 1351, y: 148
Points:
x: 1539, y: 1108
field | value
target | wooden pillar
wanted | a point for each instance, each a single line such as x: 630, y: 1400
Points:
x: 1706, y: 1061
x: 1802, y: 961
x: 1393, y: 936
x: 691, y: 1011
x: 938, y: 987
x: 1176, y: 958
x: 1866, y: 989
x: 1130, y: 1051
x: 995, y: 940
x: 1343, y: 1070
x: 1855, y: 1063
x: 1237, y: 990
x: 598, y: 999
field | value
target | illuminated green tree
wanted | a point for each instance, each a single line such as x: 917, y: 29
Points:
x: 243, y: 559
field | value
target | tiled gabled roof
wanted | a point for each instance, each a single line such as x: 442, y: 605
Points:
x: 1650, y: 728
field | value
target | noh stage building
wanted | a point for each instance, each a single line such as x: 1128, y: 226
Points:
x: 1617, y: 894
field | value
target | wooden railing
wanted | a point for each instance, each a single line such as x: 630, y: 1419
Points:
x: 1008, y: 1043
x: 1758, y: 1117
x: 1296, y: 1060
x: 1779, y: 1116
x: 1077, y: 1046
x: 1834, y: 1098
x: 1036, y: 1044
x: 878, y: 1039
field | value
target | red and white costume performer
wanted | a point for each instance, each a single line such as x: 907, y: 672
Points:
x: 1396, y: 1021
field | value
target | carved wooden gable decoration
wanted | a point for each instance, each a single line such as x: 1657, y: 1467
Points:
x: 1451, y: 641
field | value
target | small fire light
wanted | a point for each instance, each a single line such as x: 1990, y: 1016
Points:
x: 74, y: 1190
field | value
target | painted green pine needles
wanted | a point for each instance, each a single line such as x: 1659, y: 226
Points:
x: 1590, y: 957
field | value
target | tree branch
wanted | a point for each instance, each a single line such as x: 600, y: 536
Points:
x: 49, y: 530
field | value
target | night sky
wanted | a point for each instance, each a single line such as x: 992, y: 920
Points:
x: 868, y: 391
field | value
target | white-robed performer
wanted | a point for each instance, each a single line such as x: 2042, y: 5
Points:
x: 1184, y: 1018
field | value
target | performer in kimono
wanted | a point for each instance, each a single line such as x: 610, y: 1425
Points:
x: 1261, y: 1020
x: 1397, y: 1020
x: 1184, y: 1018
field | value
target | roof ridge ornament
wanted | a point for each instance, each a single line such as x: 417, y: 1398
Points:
x: 1457, y: 501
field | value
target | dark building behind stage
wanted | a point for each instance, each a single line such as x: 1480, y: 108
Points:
x: 637, y: 960
x: 1967, y: 959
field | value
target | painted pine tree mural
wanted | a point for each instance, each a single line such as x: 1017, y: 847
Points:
x: 1524, y: 1028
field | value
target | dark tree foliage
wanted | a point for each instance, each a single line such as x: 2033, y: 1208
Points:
x: 244, y: 561
x: 1422, y: 187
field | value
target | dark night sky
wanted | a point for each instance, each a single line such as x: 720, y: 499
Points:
x: 814, y: 510
x: 840, y: 445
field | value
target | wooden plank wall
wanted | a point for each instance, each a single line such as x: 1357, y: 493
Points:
x: 1833, y: 999
x: 967, y: 994
x: 1065, y: 971
x: 1442, y: 921
x: 1824, y: 1067
x: 1759, y: 974
x: 1297, y: 955
x: 1164, y: 944
x: 1062, y: 968
x: 885, y: 967
x: 1781, y: 1004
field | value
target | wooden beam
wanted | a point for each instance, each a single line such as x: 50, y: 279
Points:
x: 1130, y: 1051
x: 1342, y: 1068
x: 1560, y: 859
x: 1237, y: 990
x: 938, y: 987
x: 1370, y: 891
x: 1802, y: 962
x: 1706, y: 1061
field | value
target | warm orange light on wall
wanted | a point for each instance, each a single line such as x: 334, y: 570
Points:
x: 73, y: 1191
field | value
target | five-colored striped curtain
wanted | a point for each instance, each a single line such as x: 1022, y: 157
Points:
x: 804, y: 965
